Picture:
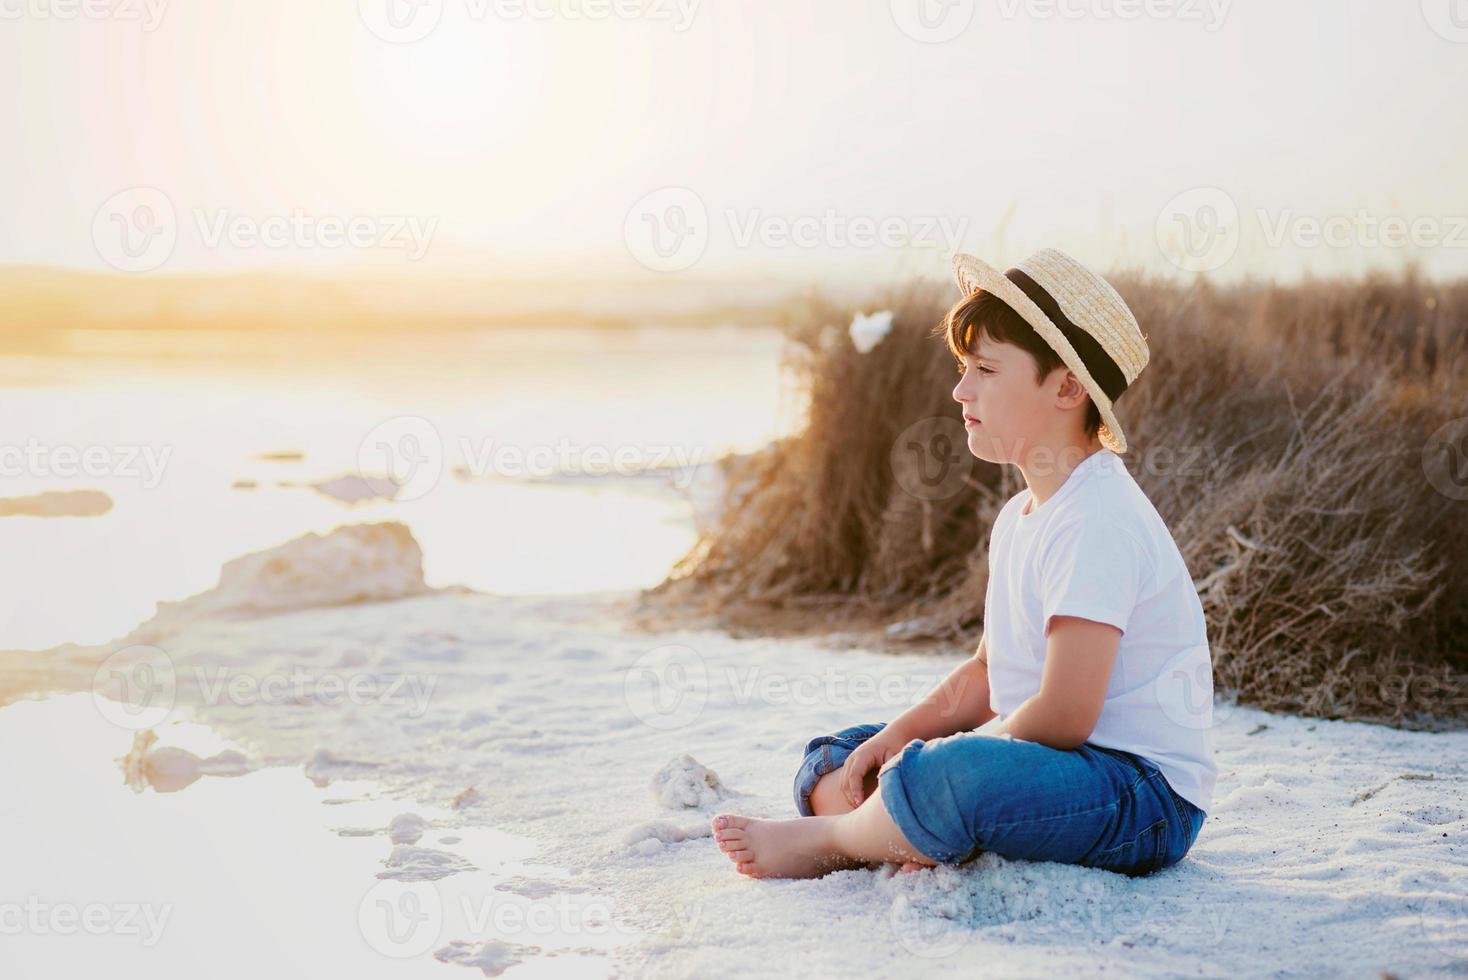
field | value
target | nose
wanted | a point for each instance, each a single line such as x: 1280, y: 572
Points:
x: 960, y: 393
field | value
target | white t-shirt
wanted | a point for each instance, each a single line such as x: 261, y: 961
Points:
x: 1099, y: 550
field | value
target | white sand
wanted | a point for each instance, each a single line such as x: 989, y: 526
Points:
x: 1334, y: 848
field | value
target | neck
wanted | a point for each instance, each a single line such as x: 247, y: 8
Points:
x: 1046, y: 468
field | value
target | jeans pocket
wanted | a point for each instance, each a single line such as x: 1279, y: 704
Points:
x: 1141, y: 855
x: 827, y: 753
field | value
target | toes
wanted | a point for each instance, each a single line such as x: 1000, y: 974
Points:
x: 730, y: 821
x: 746, y: 868
x: 741, y: 857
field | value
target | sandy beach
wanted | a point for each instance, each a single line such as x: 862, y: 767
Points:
x: 454, y: 454
x: 1335, y: 848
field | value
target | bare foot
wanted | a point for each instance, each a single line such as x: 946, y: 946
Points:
x: 910, y: 867
x: 799, y: 848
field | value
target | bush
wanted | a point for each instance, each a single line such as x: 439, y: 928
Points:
x: 1279, y: 430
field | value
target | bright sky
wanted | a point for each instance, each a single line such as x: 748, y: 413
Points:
x: 839, y: 138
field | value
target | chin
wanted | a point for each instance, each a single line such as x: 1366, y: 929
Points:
x: 980, y: 448
x: 988, y: 449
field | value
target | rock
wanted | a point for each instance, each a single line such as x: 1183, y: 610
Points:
x: 684, y: 783
x: 406, y: 828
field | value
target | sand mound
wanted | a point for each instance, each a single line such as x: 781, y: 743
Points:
x: 685, y: 782
x: 356, y: 563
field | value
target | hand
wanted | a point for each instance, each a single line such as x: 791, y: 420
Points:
x: 875, y: 752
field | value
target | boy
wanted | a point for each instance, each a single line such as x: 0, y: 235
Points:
x: 1095, y: 654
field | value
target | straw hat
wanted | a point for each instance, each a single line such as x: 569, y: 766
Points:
x: 1079, y: 315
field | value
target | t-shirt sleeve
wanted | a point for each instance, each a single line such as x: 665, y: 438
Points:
x: 1093, y: 570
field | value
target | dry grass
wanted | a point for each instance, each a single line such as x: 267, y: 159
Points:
x: 1278, y: 430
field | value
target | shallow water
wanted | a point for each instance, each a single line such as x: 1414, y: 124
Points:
x: 261, y: 874
x: 207, y: 405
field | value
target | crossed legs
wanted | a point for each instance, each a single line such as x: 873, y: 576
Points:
x: 837, y: 837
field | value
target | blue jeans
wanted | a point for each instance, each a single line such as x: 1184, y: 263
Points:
x: 957, y: 796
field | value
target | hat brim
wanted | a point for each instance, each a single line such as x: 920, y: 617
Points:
x: 973, y: 274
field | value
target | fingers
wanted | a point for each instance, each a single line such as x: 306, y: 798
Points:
x: 853, y: 775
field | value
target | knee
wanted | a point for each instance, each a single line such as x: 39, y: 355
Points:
x: 827, y: 799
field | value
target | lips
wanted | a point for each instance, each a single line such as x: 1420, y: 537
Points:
x: 970, y: 420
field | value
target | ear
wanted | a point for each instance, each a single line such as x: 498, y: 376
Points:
x: 1071, y: 393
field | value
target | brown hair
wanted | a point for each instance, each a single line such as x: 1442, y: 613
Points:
x: 982, y: 314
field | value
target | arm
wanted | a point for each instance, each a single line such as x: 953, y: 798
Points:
x: 1079, y: 656
x: 959, y: 704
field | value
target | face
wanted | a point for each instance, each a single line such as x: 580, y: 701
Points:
x: 1013, y: 413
